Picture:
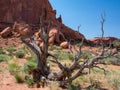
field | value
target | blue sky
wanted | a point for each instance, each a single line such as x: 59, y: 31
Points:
x: 87, y: 13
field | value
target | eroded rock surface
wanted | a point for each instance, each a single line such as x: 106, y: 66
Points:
x: 29, y: 11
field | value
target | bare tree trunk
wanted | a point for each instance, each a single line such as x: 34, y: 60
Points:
x: 65, y: 75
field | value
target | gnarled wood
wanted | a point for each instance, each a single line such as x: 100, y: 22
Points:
x: 65, y: 75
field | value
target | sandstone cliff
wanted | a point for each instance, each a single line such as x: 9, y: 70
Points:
x: 29, y: 11
x: 106, y: 40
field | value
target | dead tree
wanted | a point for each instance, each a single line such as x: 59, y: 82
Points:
x: 41, y: 52
x: 65, y: 75
x: 79, y: 28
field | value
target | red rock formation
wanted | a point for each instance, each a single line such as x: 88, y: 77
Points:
x: 54, y: 36
x: 29, y: 11
x: 64, y: 45
x: 6, y: 32
x: 24, y: 10
x: 71, y: 34
x: 22, y: 29
x: 106, y: 40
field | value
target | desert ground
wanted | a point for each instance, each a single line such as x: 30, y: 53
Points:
x: 97, y: 77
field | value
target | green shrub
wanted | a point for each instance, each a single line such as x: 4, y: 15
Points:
x: 19, y: 78
x: 110, y: 60
x: 63, y: 55
x: 32, y: 59
x: 97, y: 70
x: 94, y: 84
x: 20, y: 54
x: 86, y: 54
x: 72, y: 87
x: 53, y: 47
x: 26, y: 66
x: 53, y: 85
x: 114, y: 81
x: 4, y: 57
x: 1, y: 69
x: 27, y: 50
x: 57, y: 54
x: 17, y: 71
x: 29, y: 81
x: 116, y: 44
x: 32, y: 62
x: 1, y: 51
x: 116, y: 62
x: 70, y: 56
x: 11, y: 49
x: 59, y: 48
x: 14, y: 68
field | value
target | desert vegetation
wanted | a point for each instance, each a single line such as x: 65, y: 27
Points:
x: 51, y: 66
x: 95, y: 80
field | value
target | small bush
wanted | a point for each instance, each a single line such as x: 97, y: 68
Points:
x: 17, y: 71
x: 1, y: 69
x: 114, y: 81
x: 94, y: 85
x: 80, y: 80
x: 72, y: 87
x: 27, y: 50
x: 66, y: 56
x: 29, y: 81
x: 53, y: 47
x: 116, y: 44
x: 110, y: 60
x: 11, y: 49
x: 97, y: 70
x: 70, y: 56
x: 59, y: 48
x: 54, y: 86
x: 19, y: 78
x: 1, y: 51
x: 14, y: 68
x: 20, y: 54
x: 116, y: 62
x: 4, y: 57
x: 31, y: 64
x: 57, y: 54
x: 63, y: 55
x: 86, y: 54
x: 32, y: 59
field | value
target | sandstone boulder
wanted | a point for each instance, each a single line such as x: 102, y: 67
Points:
x: 54, y: 36
x: 22, y: 29
x: 6, y: 32
x: 64, y: 44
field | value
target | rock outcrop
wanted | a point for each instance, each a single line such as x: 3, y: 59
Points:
x: 29, y: 11
x: 64, y: 45
x: 54, y: 36
x: 106, y: 41
x: 24, y: 10
x: 6, y: 32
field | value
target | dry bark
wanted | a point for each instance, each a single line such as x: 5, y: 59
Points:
x: 65, y: 75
